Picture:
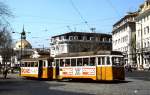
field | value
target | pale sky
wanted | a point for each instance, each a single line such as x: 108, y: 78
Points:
x: 46, y: 18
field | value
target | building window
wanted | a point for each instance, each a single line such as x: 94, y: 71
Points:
x: 76, y: 37
x: 148, y: 44
x: 144, y: 30
x: 147, y: 28
x: 80, y: 38
x: 70, y: 37
x: 66, y: 37
x: 145, y: 44
x: 92, y: 38
x: 88, y: 37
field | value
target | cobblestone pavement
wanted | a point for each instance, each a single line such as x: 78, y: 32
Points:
x: 129, y: 87
x: 15, y: 85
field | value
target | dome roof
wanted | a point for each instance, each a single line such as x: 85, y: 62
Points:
x: 25, y: 44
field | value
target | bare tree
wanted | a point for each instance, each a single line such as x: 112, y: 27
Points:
x: 5, y: 46
x: 5, y: 36
x: 5, y: 13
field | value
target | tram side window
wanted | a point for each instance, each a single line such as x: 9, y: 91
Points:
x: 73, y: 62
x: 49, y: 63
x: 99, y: 61
x: 32, y: 64
x: 79, y: 62
x: 57, y: 62
x: 92, y: 61
x: 108, y: 61
x: 44, y: 63
x: 67, y: 63
x: 85, y: 61
x: 103, y: 60
x: 62, y: 62
x: 28, y: 64
x: 25, y: 64
x: 35, y: 64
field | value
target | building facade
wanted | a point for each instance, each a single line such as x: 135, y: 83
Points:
x: 143, y: 36
x: 123, y: 37
x: 72, y: 42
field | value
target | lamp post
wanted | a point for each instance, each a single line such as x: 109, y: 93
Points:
x: 23, y: 36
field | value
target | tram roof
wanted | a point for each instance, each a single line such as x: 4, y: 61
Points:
x: 89, y: 53
x: 36, y: 59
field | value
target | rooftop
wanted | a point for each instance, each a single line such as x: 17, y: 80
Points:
x: 82, y: 34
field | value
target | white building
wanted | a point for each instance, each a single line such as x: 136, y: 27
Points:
x: 143, y: 36
x: 79, y: 42
x: 123, y: 37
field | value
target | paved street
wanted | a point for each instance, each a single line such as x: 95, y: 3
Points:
x: 137, y: 83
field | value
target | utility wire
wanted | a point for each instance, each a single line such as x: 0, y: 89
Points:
x: 112, y: 6
x: 76, y: 9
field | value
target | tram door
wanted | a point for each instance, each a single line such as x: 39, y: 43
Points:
x: 40, y: 69
x: 101, y: 69
x: 57, y: 68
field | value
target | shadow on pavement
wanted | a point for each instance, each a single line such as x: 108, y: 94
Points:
x: 19, y: 86
x: 92, y: 81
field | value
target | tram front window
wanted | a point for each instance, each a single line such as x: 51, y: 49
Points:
x: 117, y: 61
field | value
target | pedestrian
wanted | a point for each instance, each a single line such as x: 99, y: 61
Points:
x: 129, y: 68
x: 5, y: 73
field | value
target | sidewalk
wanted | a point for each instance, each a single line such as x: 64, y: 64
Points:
x: 10, y: 76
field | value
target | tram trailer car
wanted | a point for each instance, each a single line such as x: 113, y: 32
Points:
x: 38, y: 68
x: 105, y: 66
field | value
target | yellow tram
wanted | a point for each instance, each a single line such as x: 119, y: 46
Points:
x: 104, y: 65
x: 37, y: 68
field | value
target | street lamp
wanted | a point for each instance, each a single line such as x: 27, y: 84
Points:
x: 23, y: 36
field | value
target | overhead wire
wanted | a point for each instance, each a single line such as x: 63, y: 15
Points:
x: 79, y: 13
x: 113, y: 7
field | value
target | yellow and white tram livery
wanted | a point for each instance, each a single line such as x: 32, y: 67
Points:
x: 105, y: 65
x: 37, y: 68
